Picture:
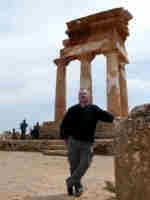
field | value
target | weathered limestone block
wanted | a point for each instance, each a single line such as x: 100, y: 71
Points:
x: 31, y: 145
x: 50, y: 130
x: 105, y: 130
x: 132, y: 155
x: 104, y: 147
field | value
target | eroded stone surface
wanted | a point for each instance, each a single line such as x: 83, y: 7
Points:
x: 54, y: 147
x: 132, y: 155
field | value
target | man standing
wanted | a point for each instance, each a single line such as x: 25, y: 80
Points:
x: 78, y: 131
x: 23, y: 127
x: 14, y: 134
x: 37, y: 131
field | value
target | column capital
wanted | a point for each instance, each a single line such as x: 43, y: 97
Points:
x: 122, y: 65
x: 61, y: 61
x: 111, y: 53
x: 88, y: 57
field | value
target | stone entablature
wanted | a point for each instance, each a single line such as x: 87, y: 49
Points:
x: 102, y: 33
x: 80, y: 30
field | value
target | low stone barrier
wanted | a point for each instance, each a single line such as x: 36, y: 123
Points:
x: 52, y: 147
x: 27, y: 145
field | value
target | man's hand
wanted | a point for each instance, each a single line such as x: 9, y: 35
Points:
x: 117, y: 120
x: 65, y: 142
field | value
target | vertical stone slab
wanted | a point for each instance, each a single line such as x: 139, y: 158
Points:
x: 123, y: 90
x: 60, y: 101
x: 86, y: 75
x: 132, y: 155
x: 113, y: 85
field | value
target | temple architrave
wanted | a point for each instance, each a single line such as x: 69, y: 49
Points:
x: 102, y: 33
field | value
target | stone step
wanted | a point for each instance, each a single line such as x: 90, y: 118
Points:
x: 55, y: 142
x: 55, y: 152
x: 59, y: 145
x: 55, y: 147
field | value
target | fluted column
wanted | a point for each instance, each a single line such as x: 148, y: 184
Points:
x: 60, y: 101
x: 123, y: 90
x: 113, y: 84
x: 86, y: 74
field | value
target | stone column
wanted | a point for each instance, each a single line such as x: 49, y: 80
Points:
x: 123, y: 90
x: 113, y: 87
x: 85, y: 74
x: 60, y: 101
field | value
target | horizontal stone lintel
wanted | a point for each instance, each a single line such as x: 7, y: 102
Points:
x: 117, y: 12
x: 90, y: 47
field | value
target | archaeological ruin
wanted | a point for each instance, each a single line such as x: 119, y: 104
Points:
x: 129, y: 140
x: 102, y: 33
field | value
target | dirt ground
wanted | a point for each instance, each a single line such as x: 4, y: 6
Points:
x: 33, y: 176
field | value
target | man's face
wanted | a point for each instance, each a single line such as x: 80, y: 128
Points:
x: 83, y: 96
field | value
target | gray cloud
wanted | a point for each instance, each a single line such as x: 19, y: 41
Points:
x: 31, y: 34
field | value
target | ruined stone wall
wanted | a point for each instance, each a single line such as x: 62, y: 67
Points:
x: 50, y: 130
x: 28, y: 145
x: 132, y: 155
x: 105, y: 130
x: 53, y: 147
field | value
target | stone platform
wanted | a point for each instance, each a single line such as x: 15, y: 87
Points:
x: 53, y: 147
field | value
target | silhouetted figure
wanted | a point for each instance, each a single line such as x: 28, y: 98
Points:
x: 37, y: 131
x: 31, y: 134
x: 23, y: 127
x: 14, y: 134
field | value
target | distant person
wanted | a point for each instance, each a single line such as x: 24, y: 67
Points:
x: 37, y: 131
x: 14, y: 134
x: 78, y: 131
x: 23, y: 127
x: 31, y: 133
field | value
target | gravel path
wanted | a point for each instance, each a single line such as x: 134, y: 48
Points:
x: 33, y: 176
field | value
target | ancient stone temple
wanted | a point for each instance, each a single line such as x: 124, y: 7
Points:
x: 102, y: 33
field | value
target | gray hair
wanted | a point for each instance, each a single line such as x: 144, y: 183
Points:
x: 83, y: 90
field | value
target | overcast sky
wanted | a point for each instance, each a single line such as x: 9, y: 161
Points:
x: 31, y: 34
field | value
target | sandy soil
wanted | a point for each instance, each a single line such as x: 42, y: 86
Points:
x: 33, y: 176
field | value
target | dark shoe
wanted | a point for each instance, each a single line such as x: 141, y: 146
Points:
x: 70, y: 191
x: 78, y: 190
x: 69, y: 188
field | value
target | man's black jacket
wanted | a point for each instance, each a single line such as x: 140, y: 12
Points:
x: 80, y: 123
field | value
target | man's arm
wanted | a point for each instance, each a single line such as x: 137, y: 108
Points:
x: 65, y: 125
x: 104, y: 115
